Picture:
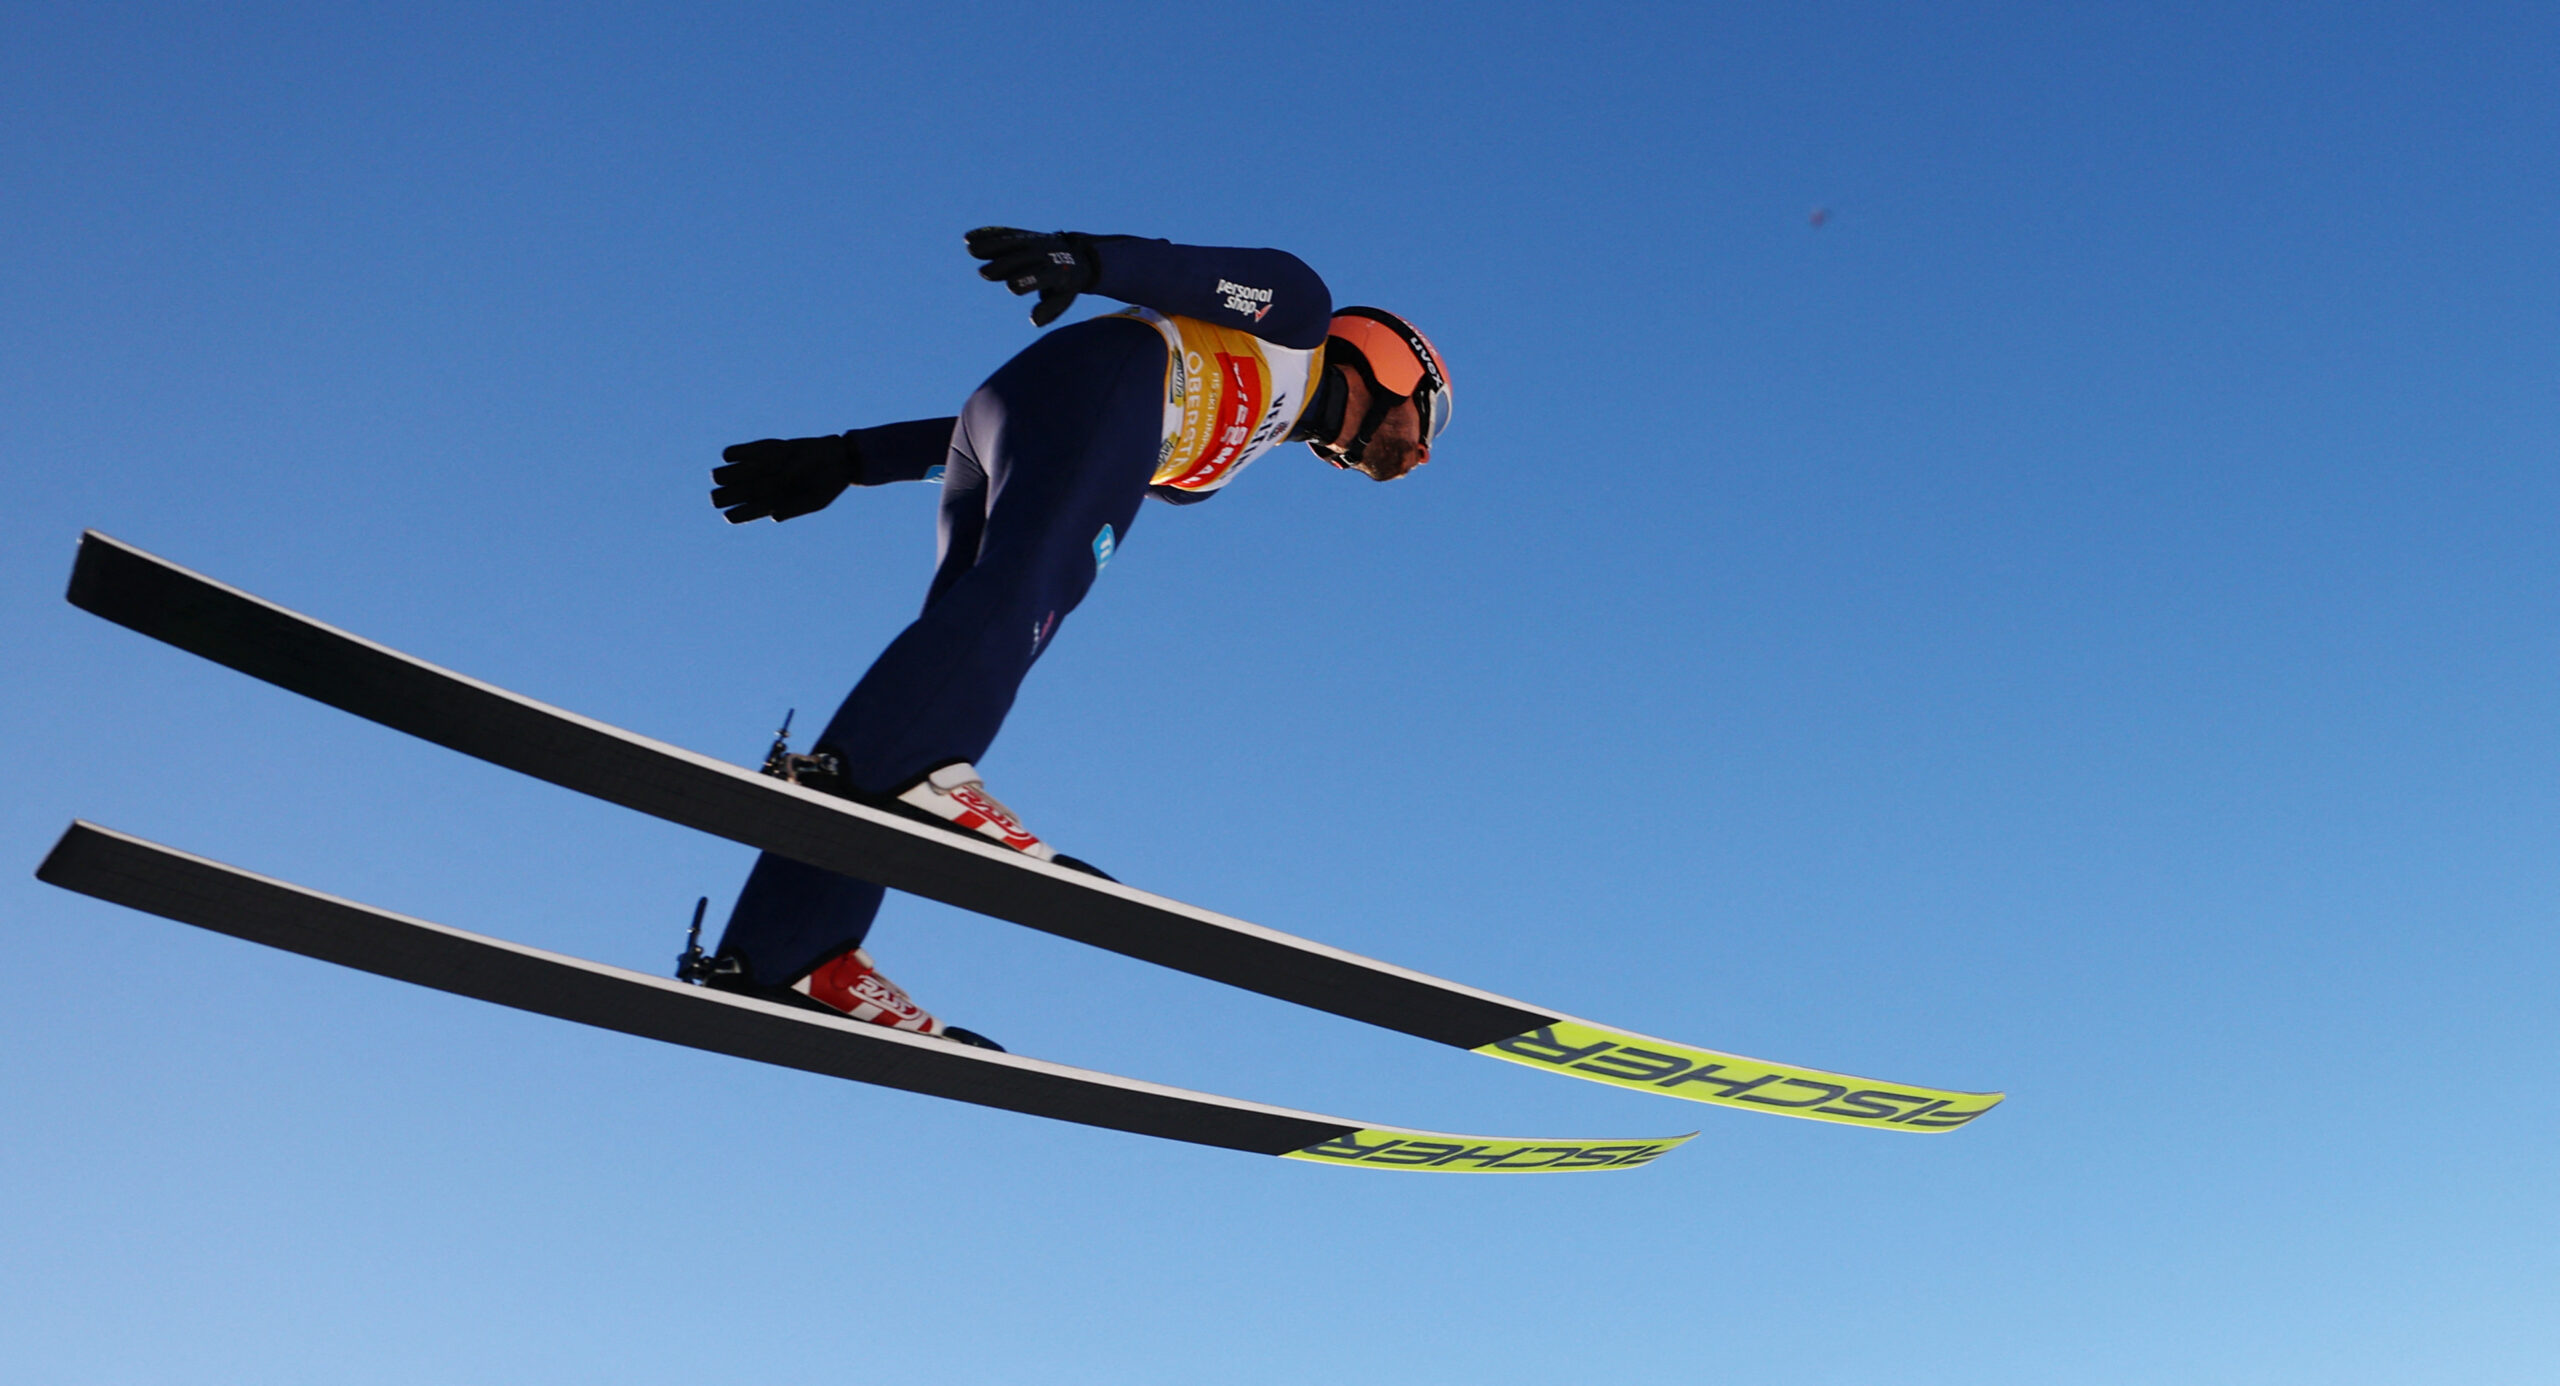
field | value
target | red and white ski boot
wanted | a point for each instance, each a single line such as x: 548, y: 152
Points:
x: 956, y: 795
x: 950, y: 796
x: 850, y: 984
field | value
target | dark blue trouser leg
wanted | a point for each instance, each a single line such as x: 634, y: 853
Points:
x: 1060, y: 442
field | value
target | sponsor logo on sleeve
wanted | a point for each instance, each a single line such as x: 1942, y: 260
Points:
x: 1103, y: 544
x: 1252, y: 303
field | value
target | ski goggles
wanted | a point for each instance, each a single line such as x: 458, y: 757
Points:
x: 1401, y: 361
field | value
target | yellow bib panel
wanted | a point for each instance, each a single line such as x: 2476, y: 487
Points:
x: 1229, y: 397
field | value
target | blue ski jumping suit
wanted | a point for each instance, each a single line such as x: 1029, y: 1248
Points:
x: 1042, y: 474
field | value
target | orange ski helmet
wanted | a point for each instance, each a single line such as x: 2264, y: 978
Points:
x: 1398, y: 362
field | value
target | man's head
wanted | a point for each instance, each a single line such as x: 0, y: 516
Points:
x: 1387, y: 396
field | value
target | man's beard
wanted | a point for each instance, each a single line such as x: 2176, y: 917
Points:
x: 1385, y: 459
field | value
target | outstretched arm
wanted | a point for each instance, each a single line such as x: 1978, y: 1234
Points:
x: 911, y: 451
x: 781, y: 478
x: 1269, y: 293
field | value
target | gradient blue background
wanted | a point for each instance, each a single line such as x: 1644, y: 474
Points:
x: 2081, y: 621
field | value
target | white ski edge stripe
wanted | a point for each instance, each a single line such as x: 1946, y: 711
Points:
x: 855, y: 1029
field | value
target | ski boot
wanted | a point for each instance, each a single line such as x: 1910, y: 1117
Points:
x: 850, y: 984
x: 847, y: 985
x: 952, y: 795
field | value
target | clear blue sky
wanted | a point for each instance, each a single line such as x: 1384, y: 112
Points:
x: 2081, y: 621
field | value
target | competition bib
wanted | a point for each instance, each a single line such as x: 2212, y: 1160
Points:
x: 1229, y: 397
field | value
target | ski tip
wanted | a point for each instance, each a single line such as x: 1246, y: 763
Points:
x: 1578, y: 1049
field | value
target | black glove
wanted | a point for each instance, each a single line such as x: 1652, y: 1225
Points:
x: 784, y: 477
x: 1056, y: 265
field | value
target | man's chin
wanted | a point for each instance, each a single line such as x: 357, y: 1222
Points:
x: 1388, y: 469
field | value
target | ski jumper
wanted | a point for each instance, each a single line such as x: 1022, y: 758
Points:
x: 1042, y: 474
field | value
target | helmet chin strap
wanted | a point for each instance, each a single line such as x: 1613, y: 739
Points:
x: 1321, y: 422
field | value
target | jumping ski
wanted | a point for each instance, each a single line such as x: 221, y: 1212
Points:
x: 159, y: 880
x: 266, y: 641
